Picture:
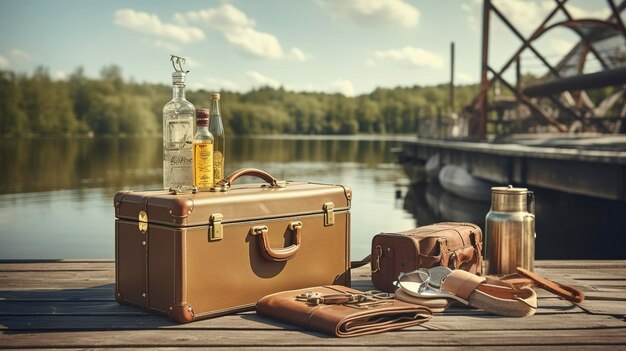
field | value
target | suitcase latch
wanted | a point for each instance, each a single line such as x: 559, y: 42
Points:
x: 216, y: 230
x: 329, y: 215
x: 143, y: 221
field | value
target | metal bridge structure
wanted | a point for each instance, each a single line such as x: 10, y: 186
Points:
x: 561, y: 100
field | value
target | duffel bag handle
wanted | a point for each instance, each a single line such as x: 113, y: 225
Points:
x: 282, y: 254
x: 224, y: 184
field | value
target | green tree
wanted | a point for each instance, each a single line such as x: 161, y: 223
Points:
x: 13, y: 119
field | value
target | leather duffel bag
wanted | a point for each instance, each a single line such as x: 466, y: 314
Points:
x: 451, y: 244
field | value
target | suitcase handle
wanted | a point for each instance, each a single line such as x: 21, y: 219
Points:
x: 282, y: 254
x: 225, y: 183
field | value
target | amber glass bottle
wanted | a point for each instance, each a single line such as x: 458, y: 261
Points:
x: 203, y: 152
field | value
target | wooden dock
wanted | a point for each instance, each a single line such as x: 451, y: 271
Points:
x: 70, y: 305
x: 583, y: 168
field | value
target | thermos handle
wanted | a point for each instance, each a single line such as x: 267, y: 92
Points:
x: 531, y: 202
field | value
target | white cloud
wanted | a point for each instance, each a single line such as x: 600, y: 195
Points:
x: 378, y: 12
x: 299, y: 55
x: 410, y: 56
x: 238, y: 29
x: 526, y: 15
x: 561, y: 46
x: 255, y: 43
x: 19, y: 55
x: 191, y: 62
x: 345, y: 86
x: 4, y: 63
x: 150, y: 24
x: 464, y: 78
x: 262, y: 80
x: 224, y: 17
x: 169, y: 47
x: 579, y: 13
x: 60, y: 75
x: 370, y: 63
x: 473, y: 9
x: 15, y: 57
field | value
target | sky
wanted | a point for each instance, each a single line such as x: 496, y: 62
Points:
x: 341, y: 46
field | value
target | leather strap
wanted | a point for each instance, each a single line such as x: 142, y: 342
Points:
x: 567, y: 292
x: 251, y: 172
x: 356, y: 264
x: 461, y: 283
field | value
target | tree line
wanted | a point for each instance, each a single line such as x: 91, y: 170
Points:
x: 38, y: 105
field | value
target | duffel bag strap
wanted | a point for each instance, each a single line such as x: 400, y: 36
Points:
x: 361, y: 263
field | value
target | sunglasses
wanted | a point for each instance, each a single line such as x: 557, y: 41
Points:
x: 417, y: 280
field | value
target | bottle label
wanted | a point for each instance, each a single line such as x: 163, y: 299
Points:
x: 179, y: 133
x: 203, y: 165
x: 218, y: 166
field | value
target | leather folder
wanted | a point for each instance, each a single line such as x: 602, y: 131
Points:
x: 341, y: 311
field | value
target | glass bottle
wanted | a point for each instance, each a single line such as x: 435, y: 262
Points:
x: 217, y: 129
x: 203, y: 152
x: 178, y: 117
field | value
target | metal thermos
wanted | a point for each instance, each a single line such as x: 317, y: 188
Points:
x: 510, y: 230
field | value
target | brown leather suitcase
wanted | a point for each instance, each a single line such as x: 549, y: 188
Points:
x: 193, y: 256
x: 452, y: 244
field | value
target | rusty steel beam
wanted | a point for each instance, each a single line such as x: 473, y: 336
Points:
x: 582, y: 36
x: 526, y: 42
x: 483, y: 89
x: 616, y: 76
x: 480, y: 101
x: 481, y: 129
x: 452, y: 77
x: 528, y: 103
x: 616, y: 15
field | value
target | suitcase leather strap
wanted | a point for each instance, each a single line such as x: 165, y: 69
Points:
x: 224, y: 184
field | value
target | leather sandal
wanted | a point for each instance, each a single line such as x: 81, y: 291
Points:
x: 436, y: 304
x: 490, y: 295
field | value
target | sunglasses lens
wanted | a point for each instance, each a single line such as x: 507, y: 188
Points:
x: 416, y: 281
x: 418, y: 276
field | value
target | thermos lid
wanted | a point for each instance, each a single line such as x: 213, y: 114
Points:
x: 508, y: 190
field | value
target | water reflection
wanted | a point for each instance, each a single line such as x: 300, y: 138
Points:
x: 55, y: 164
x: 56, y: 194
x: 116, y: 163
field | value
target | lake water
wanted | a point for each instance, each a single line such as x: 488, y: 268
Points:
x: 56, y: 195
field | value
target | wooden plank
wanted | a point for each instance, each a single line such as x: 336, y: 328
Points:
x: 95, y: 307
x: 581, y: 264
x: 81, y: 313
x: 22, y: 265
x: 54, y: 279
x: 236, y: 338
x: 518, y: 150
x: 592, y: 178
x: 97, y: 293
x: 394, y: 348
x: 251, y: 321
x: 69, y: 308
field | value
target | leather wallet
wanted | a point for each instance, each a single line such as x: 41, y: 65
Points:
x: 341, y: 311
